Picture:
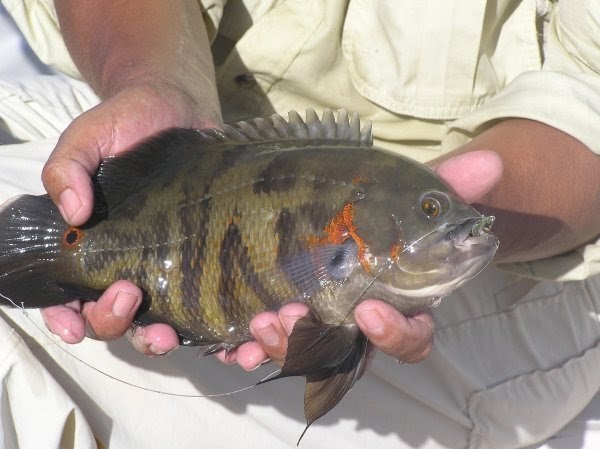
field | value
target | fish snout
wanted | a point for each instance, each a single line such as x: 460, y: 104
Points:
x: 472, y: 230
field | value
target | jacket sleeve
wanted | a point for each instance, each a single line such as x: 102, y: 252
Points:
x: 564, y: 94
x: 38, y: 22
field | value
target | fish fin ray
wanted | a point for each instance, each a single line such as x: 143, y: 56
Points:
x: 332, y: 357
x: 68, y: 292
x: 31, y: 230
x: 339, y: 131
x: 314, y: 346
x: 121, y: 177
x: 298, y: 276
x: 222, y: 346
x: 326, y: 388
x: 317, y: 268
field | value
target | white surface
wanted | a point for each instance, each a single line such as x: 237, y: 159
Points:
x: 16, y: 58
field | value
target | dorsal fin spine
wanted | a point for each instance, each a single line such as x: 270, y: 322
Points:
x: 345, y: 129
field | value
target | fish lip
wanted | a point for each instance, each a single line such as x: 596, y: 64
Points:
x: 471, y: 230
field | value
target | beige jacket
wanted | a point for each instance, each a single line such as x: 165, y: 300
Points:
x: 514, y: 360
x: 428, y: 81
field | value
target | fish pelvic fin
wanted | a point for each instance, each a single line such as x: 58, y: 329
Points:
x: 331, y: 356
x: 32, y: 238
x: 326, y: 388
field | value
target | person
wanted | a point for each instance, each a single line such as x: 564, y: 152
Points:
x: 502, y: 98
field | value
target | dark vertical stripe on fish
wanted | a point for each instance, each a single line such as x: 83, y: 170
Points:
x: 236, y: 266
x: 193, y: 217
x: 284, y: 227
x: 277, y: 176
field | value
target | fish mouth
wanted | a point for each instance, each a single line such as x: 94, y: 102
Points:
x: 444, y: 259
x: 472, y: 230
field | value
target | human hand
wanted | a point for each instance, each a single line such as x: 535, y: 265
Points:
x: 408, y: 339
x: 109, y: 129
x: 153, y: 71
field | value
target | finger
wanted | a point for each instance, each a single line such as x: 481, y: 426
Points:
x: 227, y: 357
x: 154, y: 339
x: 471, y: 174
x: 408, y: 339
x: 111, y: 316
x: 250, y: 355
x: 270, y: 335
x: 271, y: 329
x: 66, y: 174
x: 65, y: 321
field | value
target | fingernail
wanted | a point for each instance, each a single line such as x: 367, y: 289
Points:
x: 124, y: 304
x: 252, y: 365
x: 69, y: 203
x: 372, y: 320
x: 268, y: 335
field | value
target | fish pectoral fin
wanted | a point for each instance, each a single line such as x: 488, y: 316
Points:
x: 326, y: 264
x: 325, y: 388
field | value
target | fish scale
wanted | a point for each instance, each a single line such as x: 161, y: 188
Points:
x: 216, y: 226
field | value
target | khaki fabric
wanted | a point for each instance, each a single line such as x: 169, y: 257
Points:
x: 515, y: 360
x: 428, y: 82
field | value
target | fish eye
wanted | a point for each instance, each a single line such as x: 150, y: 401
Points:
x: 433, y: 204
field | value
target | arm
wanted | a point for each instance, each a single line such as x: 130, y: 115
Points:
x: 547, y: 200
x: 150, y: 63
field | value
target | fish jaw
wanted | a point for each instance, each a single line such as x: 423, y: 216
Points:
x: 437, y: 264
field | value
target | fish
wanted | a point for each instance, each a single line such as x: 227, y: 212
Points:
x: 218, y: 225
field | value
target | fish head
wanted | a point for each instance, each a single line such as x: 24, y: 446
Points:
x: 425, y: 240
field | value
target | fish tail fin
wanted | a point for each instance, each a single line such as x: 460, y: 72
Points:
x: 331, y: 356
x: 31, y: 239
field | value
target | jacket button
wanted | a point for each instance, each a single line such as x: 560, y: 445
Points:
x: 245, y: 81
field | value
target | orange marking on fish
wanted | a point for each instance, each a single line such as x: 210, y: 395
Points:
x: 360, y: 179
x: 72, y: 237
x: 395, y: 251
x: 341, y: 228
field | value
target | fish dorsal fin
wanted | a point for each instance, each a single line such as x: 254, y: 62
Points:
x: 120, y: 177
x: 343, y: 129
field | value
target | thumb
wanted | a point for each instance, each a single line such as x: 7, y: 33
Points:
x: 471, y: 174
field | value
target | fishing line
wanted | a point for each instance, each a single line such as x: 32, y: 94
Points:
x: 116, y: 379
